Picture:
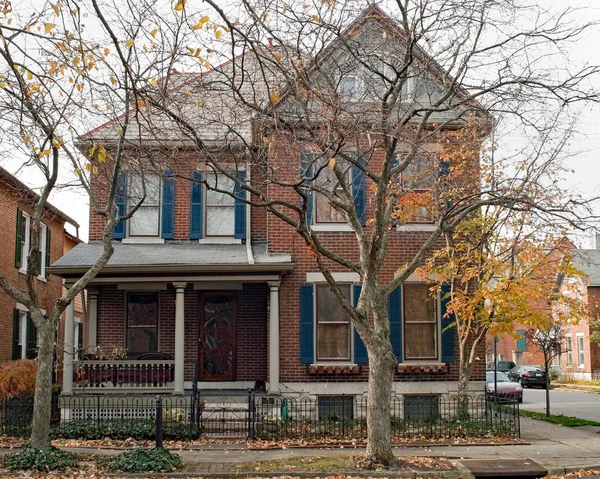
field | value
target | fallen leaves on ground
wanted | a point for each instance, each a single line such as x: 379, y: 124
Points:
x: 581, y: 473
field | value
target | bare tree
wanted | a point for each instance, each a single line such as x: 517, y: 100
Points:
x: 550, y: 340
x: 326, y: 100
x: 47, y: 95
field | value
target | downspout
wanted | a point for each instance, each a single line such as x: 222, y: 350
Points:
x: 248, y: 218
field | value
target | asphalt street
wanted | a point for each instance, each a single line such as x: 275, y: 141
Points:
x: 581, y: 404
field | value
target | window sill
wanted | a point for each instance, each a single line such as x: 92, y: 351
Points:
x: 142, y: 241
x: 219, y: 241
x: 333, y: 227
x: 39, y: 278
x: 429, y: 368
x: 330, y: 369
x: 417, y: 227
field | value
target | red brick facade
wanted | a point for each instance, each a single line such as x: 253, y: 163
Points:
x: 13, y: 196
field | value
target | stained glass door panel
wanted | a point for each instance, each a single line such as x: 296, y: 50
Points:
x: 218, y: 338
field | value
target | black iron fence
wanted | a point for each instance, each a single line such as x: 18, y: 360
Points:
x: 250, y: 414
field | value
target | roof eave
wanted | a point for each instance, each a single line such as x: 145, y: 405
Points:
x: 187, y: 268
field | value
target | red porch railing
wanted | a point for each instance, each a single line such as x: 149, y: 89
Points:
x: 156, y: 374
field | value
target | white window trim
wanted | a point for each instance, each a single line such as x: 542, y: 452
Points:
x: 220, y: 240
x: 142, y: 240
x: 569, y: 352
x: 23, y: 334
x: 26, y: 246
x: 206, y: 208
x: 138, y: 239
x: 416, y: 227
x: 333, y: 227
x: 580, y: 352
x: 338, y: 277
x: 408, y: 89
x: 329, y: 362
x: 438, y: 335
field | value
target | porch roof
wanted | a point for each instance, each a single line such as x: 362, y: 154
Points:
x: 172, y: 257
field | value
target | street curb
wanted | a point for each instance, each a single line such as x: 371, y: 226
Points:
x: 305, y: 475
x: 559, y: 471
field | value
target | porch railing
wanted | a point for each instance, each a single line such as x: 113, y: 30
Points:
x: 135, y: 374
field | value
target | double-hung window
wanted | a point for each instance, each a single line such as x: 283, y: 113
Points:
x: 142, y: 323
x: 322, y: 184
x: 580, y: 350
x: 145, y: 222
x: 324, y: 210
x: 23, y: 244
x: 25, y: 336
x: 417, y: 182
x: 333, y: 326
x: 326, y: 331
x: 220, y: 206
x: 155, y: 217
x: 569, y: 348
x: 420, y: 322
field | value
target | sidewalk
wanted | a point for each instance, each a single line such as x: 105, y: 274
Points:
x: 558, y: 449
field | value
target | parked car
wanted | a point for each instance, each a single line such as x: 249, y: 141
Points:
x: 503, y: 366
x: 506, y: 389
x: 528, y: 376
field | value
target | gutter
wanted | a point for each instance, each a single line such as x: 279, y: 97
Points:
x: 174, y: 268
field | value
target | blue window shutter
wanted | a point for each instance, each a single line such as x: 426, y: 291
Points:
x: 448, y: 333
x: 121, y: 204
x: 395, y: 316
x: 360, y: 352
x: 522, y: 341
x: 307, y: 323
x: 240, y: 207
x: 358, y: 192
x: 306, y: 171
x: 168, y: 205
x: 196, y: 212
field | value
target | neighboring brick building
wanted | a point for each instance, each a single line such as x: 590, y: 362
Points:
x: 17, y: 203
x: 579, y: 356
x: 199, y: 280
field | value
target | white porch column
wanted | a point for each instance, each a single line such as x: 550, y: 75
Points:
x: 93, y: 318
x: 179, y: 336
x: 67, y: 387
x: 274, y: 387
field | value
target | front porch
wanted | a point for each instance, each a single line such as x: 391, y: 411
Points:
x: 169, y: 317
x: 172, y: 337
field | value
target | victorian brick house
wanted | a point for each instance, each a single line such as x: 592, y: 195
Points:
x: 204, y: 287
x: 17, y: 204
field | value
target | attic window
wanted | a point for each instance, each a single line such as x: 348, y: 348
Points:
x: 348, y: 87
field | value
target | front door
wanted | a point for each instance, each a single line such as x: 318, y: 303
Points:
x: 217, y: 337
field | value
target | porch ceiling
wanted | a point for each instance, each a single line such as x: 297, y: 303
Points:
x: 172, y: 257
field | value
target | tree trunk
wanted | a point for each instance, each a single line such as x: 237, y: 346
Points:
x: 464, y: 377
x: 379, y: 433
x: 40, y: 427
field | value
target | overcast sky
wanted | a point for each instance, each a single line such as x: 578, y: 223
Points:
x: 582, y: 152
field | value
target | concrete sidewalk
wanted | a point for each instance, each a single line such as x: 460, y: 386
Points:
x: 558, y: 449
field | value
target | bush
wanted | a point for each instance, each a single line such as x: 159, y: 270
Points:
x: 44, y: 459
x: 139, y: 429
x: 17, y: 378
x: 143, y: 460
